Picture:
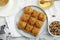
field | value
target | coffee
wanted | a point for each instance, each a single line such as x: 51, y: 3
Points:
x: 3, y: 2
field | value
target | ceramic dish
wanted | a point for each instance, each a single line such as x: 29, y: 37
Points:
x: 4, y: 3
x: 21, y: 31
x: 49, y: 29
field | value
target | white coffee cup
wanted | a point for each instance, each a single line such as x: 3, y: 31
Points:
x: 5, y: 4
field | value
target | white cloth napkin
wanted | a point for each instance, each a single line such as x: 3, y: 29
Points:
x: 10, y: 21
x: 44, y: 35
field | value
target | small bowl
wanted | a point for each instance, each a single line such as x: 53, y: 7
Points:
x: 5, y: 4
x: 50, y: 32
x: 47, y: 7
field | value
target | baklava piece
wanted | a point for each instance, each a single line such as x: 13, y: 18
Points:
x: 25, y: 17
x: 35, y: 14
x: 28, y: 10
x: 21, y: 25
x: 35, y: 31
x: 42, y: 17
x: 29, y: 28
x: 32, y: 21
x: 39, y: 24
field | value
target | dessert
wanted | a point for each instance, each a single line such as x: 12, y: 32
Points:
x: 28, y: 10
x: 31, y: 21
x: 35, y: 31
x: 25, y: 17
x: 29, y: 28
x: 21, y: 24
x: 39, y: 24
x: 35, y: 13
x: 42, y: 17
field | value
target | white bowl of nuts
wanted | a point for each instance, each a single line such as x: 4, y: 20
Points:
x: 54, y: 28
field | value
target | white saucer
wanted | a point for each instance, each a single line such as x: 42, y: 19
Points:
x: 11, y: 8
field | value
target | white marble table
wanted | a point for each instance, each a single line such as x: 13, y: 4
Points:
x: 45, y: 34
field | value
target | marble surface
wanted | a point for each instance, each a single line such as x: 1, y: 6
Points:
x: 46, y: 35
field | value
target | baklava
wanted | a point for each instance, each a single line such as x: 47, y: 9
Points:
x: 35, y: 31
x: 31, y: 21
x: 38, y: 24
x: 28, y: 10
x: 25, y: 17
x: 35, y: 14
x: 29, y: 28
x: 21, y: 24
x: 42, y: 16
